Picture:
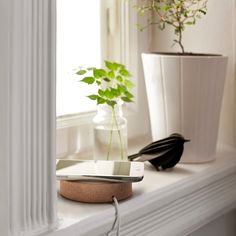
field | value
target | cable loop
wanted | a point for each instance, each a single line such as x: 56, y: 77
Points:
x: 116, y: 224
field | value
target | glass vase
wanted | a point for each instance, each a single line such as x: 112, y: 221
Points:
x: 110, y: 133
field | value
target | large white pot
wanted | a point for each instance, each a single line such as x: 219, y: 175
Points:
x: 184, y: 96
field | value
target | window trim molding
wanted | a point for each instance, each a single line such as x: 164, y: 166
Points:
x: 4, y: 116
x: 78, y: 119
x: 28, y: 110
x: 190, y: 196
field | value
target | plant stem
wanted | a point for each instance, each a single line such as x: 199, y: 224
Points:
x: 180, y: 41
x: 118, y: 130
x: 110, y: 139
x: 179, y: 28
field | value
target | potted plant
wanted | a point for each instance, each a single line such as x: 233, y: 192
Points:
x: 113, y: 88
x: 184, y: 89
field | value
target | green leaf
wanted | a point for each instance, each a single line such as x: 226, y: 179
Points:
x: 125, y: 72
x: 121, y: 66
x: 81, y: 72
x: 128, y: 94
x: 98, y: 82
x: 125, y: 99
x: 93, y: 97
x: 121, y: 88
x: 107, y: 80
x: 115, y: 92
x: 165, y: 8
x: 128, y: 84
x: 119, y: 78
x: 88, y: 80
x: 101, y: 93
x: 108, y: 93
x: 189, y: 23
x: 111, y: 66
x: 111, y: 103
x: 100, y: 100
x: 99, y: 73
x: 140, y: 27
x: 111, y: 74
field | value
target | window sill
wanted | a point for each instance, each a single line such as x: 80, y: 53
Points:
x: 188, y: 196
x: 69, y: 121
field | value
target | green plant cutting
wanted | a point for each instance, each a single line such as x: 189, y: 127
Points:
x: 113, y: 86
x: 176, y: 13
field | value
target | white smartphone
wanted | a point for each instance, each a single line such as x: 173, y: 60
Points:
x: 114, y: 171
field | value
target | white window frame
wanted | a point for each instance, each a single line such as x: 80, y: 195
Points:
x: 71, y: 127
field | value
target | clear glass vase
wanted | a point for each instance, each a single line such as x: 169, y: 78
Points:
x: 110, y: 133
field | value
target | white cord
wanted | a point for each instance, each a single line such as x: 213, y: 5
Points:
x: 117, y: 219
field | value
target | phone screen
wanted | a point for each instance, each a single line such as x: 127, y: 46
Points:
x: 70, y: 169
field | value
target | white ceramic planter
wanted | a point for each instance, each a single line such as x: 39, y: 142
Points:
x: 184, y: 95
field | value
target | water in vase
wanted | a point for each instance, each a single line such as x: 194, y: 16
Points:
x: 110, y: 144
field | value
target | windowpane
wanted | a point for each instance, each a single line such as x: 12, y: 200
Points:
x: 78, y: 44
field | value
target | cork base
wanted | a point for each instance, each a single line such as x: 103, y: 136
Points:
x: 95, y: 192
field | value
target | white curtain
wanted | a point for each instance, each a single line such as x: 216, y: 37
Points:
x: 27, y: 117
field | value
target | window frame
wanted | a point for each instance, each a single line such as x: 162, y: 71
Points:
x: 136, y: 113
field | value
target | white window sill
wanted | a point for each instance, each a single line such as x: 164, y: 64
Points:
x: 174, y: 202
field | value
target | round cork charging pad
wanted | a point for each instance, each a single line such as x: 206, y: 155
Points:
x: 95, y: 192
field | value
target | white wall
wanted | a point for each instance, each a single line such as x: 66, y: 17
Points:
x: 214, y: 33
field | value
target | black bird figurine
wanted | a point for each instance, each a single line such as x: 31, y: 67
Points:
x: 164, y: 153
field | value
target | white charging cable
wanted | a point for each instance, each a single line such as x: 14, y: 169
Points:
x: 117, y: 219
